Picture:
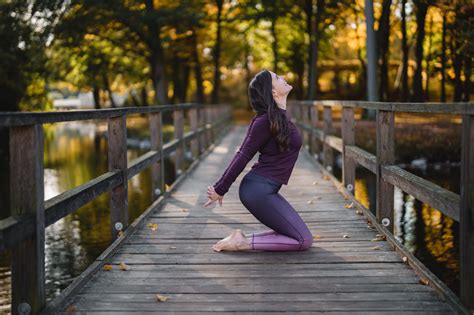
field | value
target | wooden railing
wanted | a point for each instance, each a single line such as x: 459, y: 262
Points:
x: 23, y: 232
x: 388, y: 175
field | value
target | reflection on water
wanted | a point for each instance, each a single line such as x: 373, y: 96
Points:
x: 426, y: 232
x: 74, y: 153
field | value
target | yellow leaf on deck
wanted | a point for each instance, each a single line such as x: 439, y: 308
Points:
x: 161, y: 298
x: 349, y: 206
x: 423, y: 281
x: 124, y: 266
x: 167, y: 187
x: 316, y: 236
x: 184, y: 209
x: 107, y: 267
x: 326, y: 177
x: 152, y: 226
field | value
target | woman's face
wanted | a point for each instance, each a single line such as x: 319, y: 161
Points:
x: 279, y: 86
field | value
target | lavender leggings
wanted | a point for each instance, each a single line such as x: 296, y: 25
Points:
x: 260, y: 196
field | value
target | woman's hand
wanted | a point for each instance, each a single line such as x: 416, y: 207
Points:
x: 213, y: 196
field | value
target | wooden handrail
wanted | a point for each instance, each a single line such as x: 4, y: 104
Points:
x: 23, y: 232
x: 459, y: 207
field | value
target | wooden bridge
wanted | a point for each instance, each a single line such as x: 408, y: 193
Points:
x: 163, y: 262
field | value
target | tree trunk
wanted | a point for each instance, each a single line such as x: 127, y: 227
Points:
x: 217, y: 54
x: 467, y: 78
x: 421, y: 10
x: 428, y: 60
x: 443, y: 60
x: 157, y: 58
x: 96, y: 95
x: 383, y: 34
x: 109, y: 91
x: 311, y: 30
x: 371, y: 57
x: 197, y: 71
x: 405, y: 92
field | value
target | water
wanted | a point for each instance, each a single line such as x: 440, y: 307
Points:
x: 76, y: 152
x: 425, y: 231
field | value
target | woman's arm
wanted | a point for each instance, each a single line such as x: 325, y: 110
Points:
x: 257, y: 135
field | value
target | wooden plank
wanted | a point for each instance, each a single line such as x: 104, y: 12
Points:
x: 237, y: 306
x: 158, y: 168
x: 274, y: 297
x: 385, y: 155
x: 193, y: 124
x: 442, y: 199
x: 466, y: 217
x: 178, y: 121
x: 315, y: 147
x: 348, y: 138
x: 457, y: 108
x: 117, y: 157
x: 328, y: 158
x: 27, y: 198
x: 362, y: 157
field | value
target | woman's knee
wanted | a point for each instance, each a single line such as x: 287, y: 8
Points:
x: 307, y: 242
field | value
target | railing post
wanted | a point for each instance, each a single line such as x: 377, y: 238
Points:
x: 328, y: 159
x: 306, y: 120
x: 27, y: 198
x: 158, y: 168
x: 385, y: 155
x: 178, y: 134
x: 466, y: 215
x: 117, y: 154
x: 202, y: 124
x: 314, y: 142
x: 348, y: 138
x: 193, y: 124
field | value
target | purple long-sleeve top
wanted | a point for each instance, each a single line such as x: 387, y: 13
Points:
x: 271, y: 163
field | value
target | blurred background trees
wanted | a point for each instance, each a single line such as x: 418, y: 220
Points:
x: 139, y: 53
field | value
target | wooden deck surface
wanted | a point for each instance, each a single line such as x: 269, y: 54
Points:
x: 338, y: 274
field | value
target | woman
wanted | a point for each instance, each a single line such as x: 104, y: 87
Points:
x: 277, y: 139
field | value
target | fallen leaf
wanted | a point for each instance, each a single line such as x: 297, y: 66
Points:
x: 120, y: 233
x: 345, y: 197
x: 184, y: 209
x: 405, y: 259
x: 161, y: 298
x: 326, y: 177
x: 423, y: 281
x: 124, y: 266
x: 167, y: 187
x: 152, y: 226
x: 359, y: 212
x: 346, y: 236
x: 378, y: 247
x: 315, y: 183
x: 370, y: 227
x: 107, y: 267
x: 70, y: 309
x: 378, y: 237
x: 172, y: 247
x: 349, y: 206
x: 309, y: 201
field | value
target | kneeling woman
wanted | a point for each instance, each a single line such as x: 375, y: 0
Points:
x: 272, y: 133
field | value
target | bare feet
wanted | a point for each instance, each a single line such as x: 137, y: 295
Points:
x: 236, y: 241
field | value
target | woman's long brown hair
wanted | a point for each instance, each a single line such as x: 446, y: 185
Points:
x: 261, y: 99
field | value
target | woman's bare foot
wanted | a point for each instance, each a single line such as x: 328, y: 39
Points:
x: 236, y: 241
